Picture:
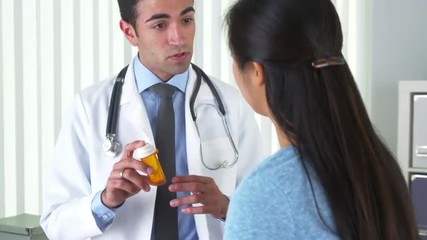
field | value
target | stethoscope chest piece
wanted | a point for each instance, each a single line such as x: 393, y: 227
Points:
x: 110, y: 147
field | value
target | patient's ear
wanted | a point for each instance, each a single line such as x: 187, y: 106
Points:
x: 257, y: 73
x: 256, y: 88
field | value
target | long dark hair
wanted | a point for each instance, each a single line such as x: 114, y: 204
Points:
x: 322, y: 113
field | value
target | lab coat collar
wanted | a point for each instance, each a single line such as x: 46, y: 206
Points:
x: 129, y: 90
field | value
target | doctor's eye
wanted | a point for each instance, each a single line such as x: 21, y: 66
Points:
x: 159, y: 26
x: 188, y: 20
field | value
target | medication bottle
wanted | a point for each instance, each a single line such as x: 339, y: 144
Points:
x: 148, y: 155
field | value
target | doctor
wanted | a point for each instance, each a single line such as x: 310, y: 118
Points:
x: 89, y: 194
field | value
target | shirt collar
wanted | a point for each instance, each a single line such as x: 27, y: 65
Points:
x: 145, y: 78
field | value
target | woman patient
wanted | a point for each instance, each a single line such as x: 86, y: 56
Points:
x: 333, y: 177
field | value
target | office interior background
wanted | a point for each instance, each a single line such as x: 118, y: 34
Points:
x: 51, y: 49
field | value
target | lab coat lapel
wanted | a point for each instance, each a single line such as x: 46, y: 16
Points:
x: 135, y: 123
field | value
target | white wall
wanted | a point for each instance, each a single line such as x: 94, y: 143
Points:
x: 399, y: 51
x: 50, y: 49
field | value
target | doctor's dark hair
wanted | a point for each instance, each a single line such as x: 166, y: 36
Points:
x: 322, y: 113
x: 128, y: 11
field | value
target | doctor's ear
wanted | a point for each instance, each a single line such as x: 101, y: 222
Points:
x: 129, y: 32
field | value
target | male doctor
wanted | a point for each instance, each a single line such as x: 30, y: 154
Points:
x: 88, y: 195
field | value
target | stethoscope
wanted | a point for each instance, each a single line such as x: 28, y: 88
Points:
x: 111, y: 147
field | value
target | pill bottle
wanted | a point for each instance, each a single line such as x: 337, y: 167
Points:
x: 148, y: 155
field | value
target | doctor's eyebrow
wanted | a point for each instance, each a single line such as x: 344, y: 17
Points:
x: 164, y: 15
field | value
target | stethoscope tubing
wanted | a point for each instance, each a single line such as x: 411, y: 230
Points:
x: 202, y: 75
x: 113, y: 114
x: 116, y: 95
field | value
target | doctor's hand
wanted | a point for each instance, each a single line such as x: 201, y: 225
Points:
x: 124, y: 181
x: 204, y: 191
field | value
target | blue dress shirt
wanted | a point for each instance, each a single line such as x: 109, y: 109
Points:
x: 144, y: 80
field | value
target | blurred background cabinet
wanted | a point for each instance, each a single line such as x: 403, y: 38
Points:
x: 21, y: 227
x: 412, y: 145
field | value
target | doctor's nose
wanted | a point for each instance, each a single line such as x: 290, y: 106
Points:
x: 175, y: 36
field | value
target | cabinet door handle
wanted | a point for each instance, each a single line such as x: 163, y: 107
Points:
x: 421, y: 151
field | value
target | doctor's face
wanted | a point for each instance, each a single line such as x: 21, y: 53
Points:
x: 164, y: 35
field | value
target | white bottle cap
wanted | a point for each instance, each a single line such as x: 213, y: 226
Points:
x: 144, y: 151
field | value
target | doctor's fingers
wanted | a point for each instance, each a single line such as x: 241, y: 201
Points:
x: 185, y: 200
x: 117, y: 191
x: 194, y: 184
x: 206, y: 205
x: 193, y: 178
x: 199, y: 209
x: 130, y: 147
x: 205, y: 199
x: 129, y: 180
x: 132, y: 163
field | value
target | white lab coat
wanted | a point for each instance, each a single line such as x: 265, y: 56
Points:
x: 80, y: 169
